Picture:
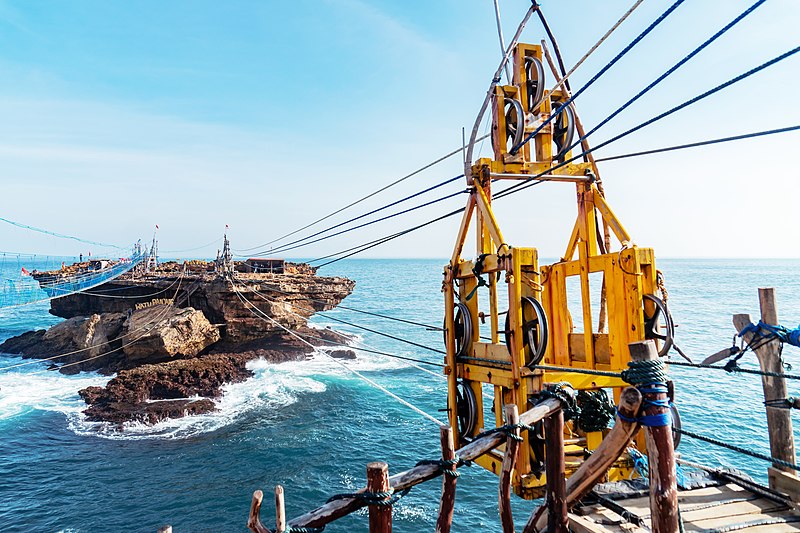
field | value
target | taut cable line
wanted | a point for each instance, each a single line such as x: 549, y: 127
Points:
x: 346, y: 367
x: 368, y: 196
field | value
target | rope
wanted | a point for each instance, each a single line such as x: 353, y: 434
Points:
x: 529, y: 182
x: 500, y: 36
x: 597, y: 411
x: 379, y: 499
x: 145, y: 329
x: 595, y: 47
x: 645, y: 372
x: 370, y: 195
x: 671, y: 70
x: 739, y: 449
x: 288, y: 245
x: 59, y: 356
x: 735, y: 369
x: 597, y: 76
x: 368, y: 349
x: 59, y: 235
x: 446, y: 465
x: 700, y: 143
x: 353, y: 371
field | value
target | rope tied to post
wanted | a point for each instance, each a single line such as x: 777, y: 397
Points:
x: 305, y: 529
x: 645, y: 372
x: 568, y: 404
x: 446, y: 465
x: 478, y: 270
x: 781, y: 333
x: 379, y: 499
x: 508, y: 430
x: 596, y: 410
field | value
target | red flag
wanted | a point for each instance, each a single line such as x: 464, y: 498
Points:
x: 156, y: 226
x: 25, y: 272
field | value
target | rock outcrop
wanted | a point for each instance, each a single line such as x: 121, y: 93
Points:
x: 177, y: 335
x: 151, y: 393
x: 165, y: 332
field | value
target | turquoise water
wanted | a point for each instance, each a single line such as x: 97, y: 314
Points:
x: 312, y: 426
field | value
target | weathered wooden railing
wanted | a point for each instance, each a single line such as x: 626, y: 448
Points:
x: 562, y: 493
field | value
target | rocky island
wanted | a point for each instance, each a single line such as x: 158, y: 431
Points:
x: 176, y: 333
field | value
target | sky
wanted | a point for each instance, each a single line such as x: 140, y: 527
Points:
x: 264, y: 116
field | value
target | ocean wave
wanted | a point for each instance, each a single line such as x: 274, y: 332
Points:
x: 273, y: 386
x: 27, y: 388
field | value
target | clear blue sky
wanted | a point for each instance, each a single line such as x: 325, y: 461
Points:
x: 120, y: 115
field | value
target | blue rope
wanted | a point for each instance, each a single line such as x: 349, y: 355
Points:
x: 675, y: 67
x: 597, y: 76
x: 59, y: 235
x: 783, y: 334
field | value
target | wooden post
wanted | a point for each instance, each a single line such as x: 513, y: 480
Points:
x: 509, y: 460
x: 595, y: 467
x: 660, y: 452
x: 555, y: 470
x: 447, y: 504
x: 254, y: 522
x: 280, y: 511
x: 779, y: 421
x: 380, y: 516
x: 165, y: 529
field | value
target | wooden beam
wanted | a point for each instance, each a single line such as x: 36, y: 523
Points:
x: 462, y: 231
x: 593, y: 469
x: 447, y: 504
x: 555, y: 471
x: 254, y: 521
x: 509, y: 461
x: 779, y: 421
x: 488, y: 218
x: 610, y: 218
x: 660, y: 449
x: 280, y: 511
x: 380, y: 516
x: 419, y: 474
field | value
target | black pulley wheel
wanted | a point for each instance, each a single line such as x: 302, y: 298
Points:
x: 534, y: 331
x: 658, y: 325
x: 515, y: 122
x: 676, y: 425
x: 466, y: 409
x: 462, y: 321
x: 563, y: 130
x: 534, y: 83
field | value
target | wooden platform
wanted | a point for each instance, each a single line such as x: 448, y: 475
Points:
x: 728, y: 507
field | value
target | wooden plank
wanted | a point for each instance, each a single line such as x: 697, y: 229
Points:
x: 784, y: 482
x: 447, y: 502
x: 495, y: 352
x: 509, y: 461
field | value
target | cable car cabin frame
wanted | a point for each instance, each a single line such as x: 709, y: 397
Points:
x: 504, y: 361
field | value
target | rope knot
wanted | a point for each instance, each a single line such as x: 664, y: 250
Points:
x: 645, y: 372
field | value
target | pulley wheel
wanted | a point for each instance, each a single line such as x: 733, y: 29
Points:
x: 534, y: 74
x: 466, y: 409
x: 563, y: 130
x: 534, y: 331
x: 515, y: 122
x: 658, y: 326
x: 462, y: 322
x: 676, y: 425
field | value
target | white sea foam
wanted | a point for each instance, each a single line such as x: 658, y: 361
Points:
x: 272, y: 387
x: 28, y: 388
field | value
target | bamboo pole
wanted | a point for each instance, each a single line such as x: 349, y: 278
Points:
x: 254, y: 522
x: 555, y: 470
x: 280, y: 511
x: 660, y: 452
x: 380, y: 516
x: 447, y: 503
x: 338, y: 508
x: 507, y: 472
x: 779, y: 421
x: 593, y: 469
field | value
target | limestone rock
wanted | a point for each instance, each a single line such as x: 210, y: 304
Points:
x: 151, y: 393
x: 164, y: 332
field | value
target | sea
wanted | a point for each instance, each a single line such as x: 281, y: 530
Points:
x: 313, y: 425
